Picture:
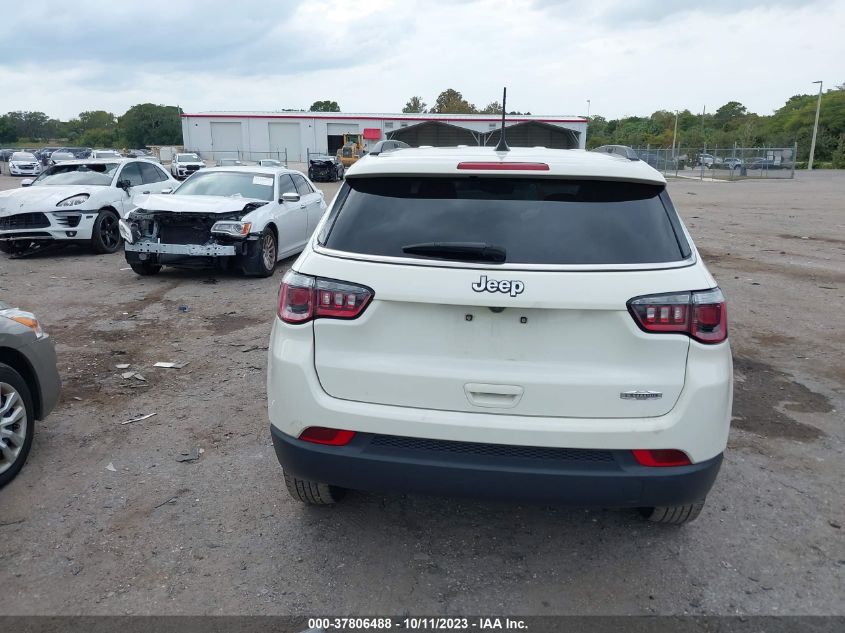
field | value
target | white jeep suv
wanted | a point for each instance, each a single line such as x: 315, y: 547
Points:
x: 533, y: 324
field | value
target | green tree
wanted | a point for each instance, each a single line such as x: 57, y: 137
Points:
x: 324, y: 106
x: 8, y: 130
x: 150, y: 124
x: 415, y: 105
x: 97, y: 119
x: 494, y: 107
x: 452, y: 102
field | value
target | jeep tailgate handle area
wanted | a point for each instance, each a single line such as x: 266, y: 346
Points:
x: 493, y: 396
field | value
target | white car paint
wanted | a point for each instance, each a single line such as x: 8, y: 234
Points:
x: 184, y: 164
x: 45, y: 199
x: 430, y: 357
x: 24, y: 164
x: 294, y: 221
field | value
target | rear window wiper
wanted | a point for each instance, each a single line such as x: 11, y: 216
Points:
x: 460, y: 251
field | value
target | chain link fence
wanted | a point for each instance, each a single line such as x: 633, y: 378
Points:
x: 721, y: 163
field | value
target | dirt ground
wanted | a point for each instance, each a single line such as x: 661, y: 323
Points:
x: 219, y: 535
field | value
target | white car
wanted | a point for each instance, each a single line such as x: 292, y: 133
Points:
x: 105, y: 154
x: 183, y: 165
x: 24, y: 164
x: 76, y: 201
x: 246, y: 218
x: 60, y: 156
x: 533, y: 324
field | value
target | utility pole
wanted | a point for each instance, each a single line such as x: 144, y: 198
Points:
x: 674, y: 135
x: 588, y: 108
x: 815, y: 128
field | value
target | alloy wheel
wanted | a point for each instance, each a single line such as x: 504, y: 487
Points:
x: 268, y: 251
x: 13, y: 425
x: 109, y: 231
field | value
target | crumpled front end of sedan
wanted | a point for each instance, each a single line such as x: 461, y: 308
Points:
x: 189, y: 239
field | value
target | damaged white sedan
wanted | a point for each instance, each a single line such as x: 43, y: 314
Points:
x: 240, y: 218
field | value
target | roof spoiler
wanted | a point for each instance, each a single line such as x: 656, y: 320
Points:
x: 619, y: 150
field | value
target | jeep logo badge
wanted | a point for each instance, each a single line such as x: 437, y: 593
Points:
x: 507, y: 286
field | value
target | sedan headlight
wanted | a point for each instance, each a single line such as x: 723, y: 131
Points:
x: 24, y: 318
x: 73, y: 200
x: 235, y: 229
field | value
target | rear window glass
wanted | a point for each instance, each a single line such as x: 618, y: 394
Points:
x: 534, y: 220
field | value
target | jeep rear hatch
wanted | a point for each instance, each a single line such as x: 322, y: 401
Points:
x: 546, y: 332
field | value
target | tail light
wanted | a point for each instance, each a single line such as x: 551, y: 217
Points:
x: 323, y: 435
x: 303, y: 298
x: 661, y: 457
x: 701, y: 314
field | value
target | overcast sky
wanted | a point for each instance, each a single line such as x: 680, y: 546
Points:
x: 629, y: 57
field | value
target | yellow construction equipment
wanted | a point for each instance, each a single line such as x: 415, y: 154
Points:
x: 352, y: 149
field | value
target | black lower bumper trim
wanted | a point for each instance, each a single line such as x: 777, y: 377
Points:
x: 582, y: 477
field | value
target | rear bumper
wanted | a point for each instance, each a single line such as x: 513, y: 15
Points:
x: 609, y: 478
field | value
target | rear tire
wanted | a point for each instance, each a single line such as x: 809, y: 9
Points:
x: 14, y: 449
x: 105, y: 236
x: 673, y: 515
x: 146, y: 269
x: 312, y: 492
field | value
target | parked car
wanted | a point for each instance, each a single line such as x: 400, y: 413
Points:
x: 5, y: 154
x: 183, y: 165
x: 387, y: 146
x: 76, y: 201
x: 763, y: 163
x: 708, y: 160
x: 105, y: 154
x: 228, y: 162
x: 143, y: 153
x: 29, y: 386
x: 243, y: 218
x: 732, y: 163
x: 43, y: 155
x: 24, y: 164
x: 270, y: 162
x: 533, y: 326
x: 325, y: 167
x: 61, y: 156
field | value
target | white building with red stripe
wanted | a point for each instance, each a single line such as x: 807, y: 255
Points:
x: 292, y: 136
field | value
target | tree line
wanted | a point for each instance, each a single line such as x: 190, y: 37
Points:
x: 141, y: 125
x: 732, y: 124
x: 729, y: 125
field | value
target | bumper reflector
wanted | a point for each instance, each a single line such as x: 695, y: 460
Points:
x: 661, y: 457
x: 330, y: 437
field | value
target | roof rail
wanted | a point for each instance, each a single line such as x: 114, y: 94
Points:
x: 619, y: 150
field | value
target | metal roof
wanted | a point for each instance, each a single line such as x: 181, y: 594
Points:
x: 416, y: 116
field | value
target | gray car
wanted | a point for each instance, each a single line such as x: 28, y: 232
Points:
x: 29, y: 386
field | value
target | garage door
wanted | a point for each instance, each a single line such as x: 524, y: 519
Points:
x: 285, y: 136
x: 335, y: 132
x: 226, y: 140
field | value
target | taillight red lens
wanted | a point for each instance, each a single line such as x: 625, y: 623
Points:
x: 303, y: 298
x: 661, y: 457
x: 701, y: 314
x: 323, y: 435
x: 709, y: 316
x: 296, y: 298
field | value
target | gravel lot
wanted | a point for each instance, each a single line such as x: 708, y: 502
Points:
x: 219, y: 535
